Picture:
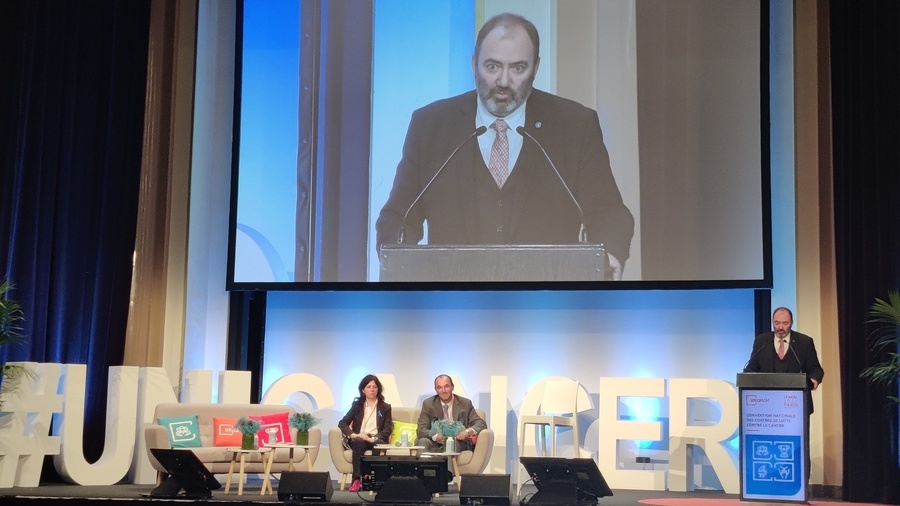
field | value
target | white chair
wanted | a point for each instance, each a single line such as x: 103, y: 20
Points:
x: 559, y: 408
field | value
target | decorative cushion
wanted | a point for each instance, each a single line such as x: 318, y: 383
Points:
x: 224, y: 433
x: 277, y: 422
x: 400, y: 428
x: 183, y: 431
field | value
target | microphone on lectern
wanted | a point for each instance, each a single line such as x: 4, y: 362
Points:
x: 478, y: 131
x: 582, y: 232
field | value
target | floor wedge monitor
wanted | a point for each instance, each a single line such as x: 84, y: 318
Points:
x: 490, y: 489
x: 297, y: 487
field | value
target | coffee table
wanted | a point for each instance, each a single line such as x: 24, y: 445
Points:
x: 410, y: 450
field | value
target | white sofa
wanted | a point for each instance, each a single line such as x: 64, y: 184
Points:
x: 217, y: 459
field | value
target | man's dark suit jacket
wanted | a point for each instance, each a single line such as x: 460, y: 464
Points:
x: 463, y: 412
x: 800, y: 357
x: 542, y: 213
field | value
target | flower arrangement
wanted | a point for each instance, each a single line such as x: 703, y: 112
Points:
x: 303, y: 421
x: 247, y: 426
x: 446, y: 428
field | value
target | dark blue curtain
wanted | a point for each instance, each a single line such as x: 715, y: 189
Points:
x: 72, y: 110
x: 865, y: 103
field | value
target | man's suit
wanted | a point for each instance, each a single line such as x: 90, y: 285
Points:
x: 801, y: 356
x: 463, y: 412
x: 536, y: 208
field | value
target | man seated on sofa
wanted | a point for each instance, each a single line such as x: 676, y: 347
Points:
x: 447, y: 406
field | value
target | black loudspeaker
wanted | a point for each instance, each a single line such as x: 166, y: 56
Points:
x: 305, y: 487
x: 484, y: 489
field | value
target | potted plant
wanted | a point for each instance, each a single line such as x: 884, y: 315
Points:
x: 10, y: 317
x: 449, y: 429
x: 885, y: 315
x: 303, y: 422
x: 248, y: 427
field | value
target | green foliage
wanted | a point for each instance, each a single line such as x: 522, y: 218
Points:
x: 11, y: 316
x: 303, y: 421
x: 885, y: 315
x: 247, y: 426
x: 446, y: 428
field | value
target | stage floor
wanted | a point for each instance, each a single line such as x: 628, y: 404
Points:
x: 127, y: 494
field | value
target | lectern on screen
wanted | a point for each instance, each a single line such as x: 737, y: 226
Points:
x: 563, y: 262
x: 565, y: 481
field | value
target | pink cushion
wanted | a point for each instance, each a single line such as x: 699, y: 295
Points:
x: 277, y: 422
x: 224, y: 433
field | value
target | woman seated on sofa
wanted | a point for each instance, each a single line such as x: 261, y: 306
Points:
x: 367, y: 423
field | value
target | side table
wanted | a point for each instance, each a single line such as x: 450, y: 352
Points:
x: 452, y: 460
x: 266, y: 454
x: 291, y: 447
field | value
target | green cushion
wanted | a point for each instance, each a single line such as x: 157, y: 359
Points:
x: 184, y: 431
x: 408, y: 428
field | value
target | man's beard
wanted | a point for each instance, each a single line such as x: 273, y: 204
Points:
x: 504, y: 107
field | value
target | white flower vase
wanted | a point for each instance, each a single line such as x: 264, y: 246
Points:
x: 450, y: 445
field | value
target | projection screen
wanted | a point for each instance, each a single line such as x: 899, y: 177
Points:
x: 679, y: 89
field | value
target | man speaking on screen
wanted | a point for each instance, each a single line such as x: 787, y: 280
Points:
x: 506, y: 163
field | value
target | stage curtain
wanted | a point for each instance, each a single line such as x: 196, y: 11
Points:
x: 865, y: 51
x: 73, y: 81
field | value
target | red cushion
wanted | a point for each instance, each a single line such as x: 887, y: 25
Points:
x: 224, y: 433
x: 277, y: 422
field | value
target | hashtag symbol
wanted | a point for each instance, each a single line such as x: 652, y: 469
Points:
x: 29, y: 402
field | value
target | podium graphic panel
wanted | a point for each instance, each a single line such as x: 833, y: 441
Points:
x: 773, y: 437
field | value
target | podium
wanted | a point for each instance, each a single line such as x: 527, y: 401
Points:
x: 774, y: 435
x: 566, y: 262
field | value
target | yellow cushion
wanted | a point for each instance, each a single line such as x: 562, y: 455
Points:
x: 400, y: 428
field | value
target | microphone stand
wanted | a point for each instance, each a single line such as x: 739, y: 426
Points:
x: 582, y: 231
x: 478, y: 131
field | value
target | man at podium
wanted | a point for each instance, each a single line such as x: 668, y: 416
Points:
x: 506, y: 164
x: 785, y: 351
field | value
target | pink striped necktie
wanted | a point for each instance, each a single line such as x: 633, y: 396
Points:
x: 781, y: 349
x: 499, y: 162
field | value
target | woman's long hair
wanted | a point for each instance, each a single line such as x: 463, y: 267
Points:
x: 365, y: 381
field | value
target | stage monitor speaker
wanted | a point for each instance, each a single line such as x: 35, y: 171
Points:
x: 491, y: 489
x: 403, y: 490
x: 186, y: 472
x: 305, y: 487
